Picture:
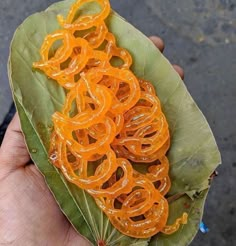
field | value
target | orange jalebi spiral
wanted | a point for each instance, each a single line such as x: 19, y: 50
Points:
x: 110, y: 120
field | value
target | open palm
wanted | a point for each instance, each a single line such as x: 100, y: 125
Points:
x: 29, y: 215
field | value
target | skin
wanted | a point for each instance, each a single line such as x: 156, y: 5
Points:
x: 29, y: 214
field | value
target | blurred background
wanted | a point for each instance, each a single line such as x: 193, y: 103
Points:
x: 200, y: 36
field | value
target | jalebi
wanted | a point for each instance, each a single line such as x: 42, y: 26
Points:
x: 110, y: 120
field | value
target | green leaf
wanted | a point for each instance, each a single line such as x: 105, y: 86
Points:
x: 185, y: 234
x: 193, y: 154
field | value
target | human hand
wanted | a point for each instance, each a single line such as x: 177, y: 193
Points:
x: 29, y: 214
x: 160, y: 45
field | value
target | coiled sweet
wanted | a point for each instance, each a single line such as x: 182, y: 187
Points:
x: 110, y: 120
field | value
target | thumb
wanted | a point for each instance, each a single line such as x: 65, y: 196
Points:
x: 13, y: 152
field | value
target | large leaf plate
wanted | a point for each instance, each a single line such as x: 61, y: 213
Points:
x: 193, y: 154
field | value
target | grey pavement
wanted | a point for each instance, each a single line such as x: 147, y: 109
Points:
x: 201, y: 37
